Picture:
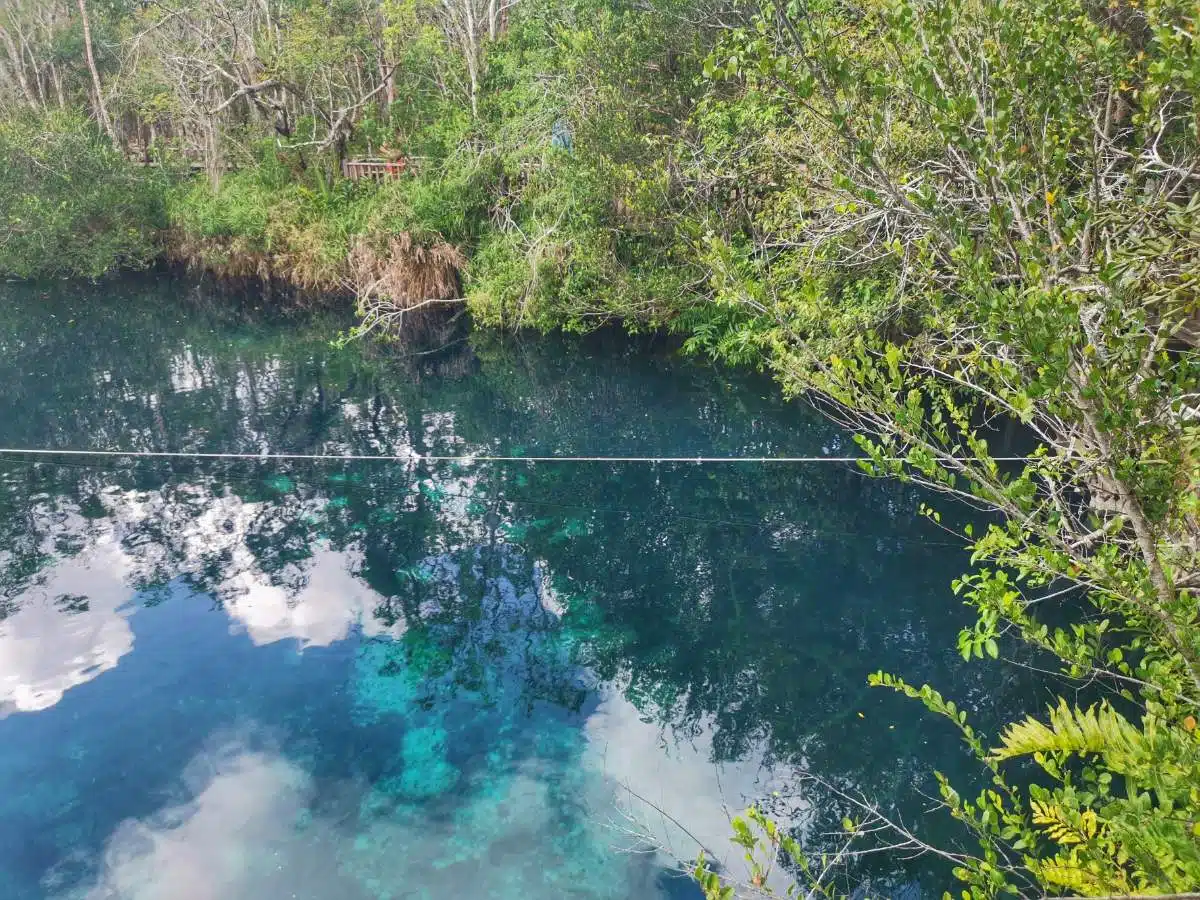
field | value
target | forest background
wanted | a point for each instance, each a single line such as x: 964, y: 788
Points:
x: 933, y: 218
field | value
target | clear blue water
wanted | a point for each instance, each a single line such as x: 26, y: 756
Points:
x: 356, y: 681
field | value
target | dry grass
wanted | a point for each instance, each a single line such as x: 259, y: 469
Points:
x: 403, y: 283
x: 224, y: 258
x: 404, y: 271
x: 400, y: 284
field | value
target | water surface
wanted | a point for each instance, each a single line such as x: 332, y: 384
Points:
x: 249, y: 679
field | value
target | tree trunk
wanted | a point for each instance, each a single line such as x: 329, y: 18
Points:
x: 212, y: 157
x: 471, y: 51
x: 18, y: 67
x: 58, y: 88
x: 473, y: 72
x: 34, y: 68
x: 388, y: 74
x: 101, y: 111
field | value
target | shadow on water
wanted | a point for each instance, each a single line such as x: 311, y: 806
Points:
x: 243, y: 679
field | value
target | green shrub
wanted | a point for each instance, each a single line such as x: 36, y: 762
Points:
x: 72, y: 205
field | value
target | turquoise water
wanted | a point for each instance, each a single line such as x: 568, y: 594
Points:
x: 240, y: 680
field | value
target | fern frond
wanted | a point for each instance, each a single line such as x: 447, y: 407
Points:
x: 1098, y: 729
x: 1062, y: 827
x: 1069, y: 875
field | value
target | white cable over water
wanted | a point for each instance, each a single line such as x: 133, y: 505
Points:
x: 464, y: 458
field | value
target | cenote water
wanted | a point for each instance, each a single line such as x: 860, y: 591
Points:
x: 249, y: 680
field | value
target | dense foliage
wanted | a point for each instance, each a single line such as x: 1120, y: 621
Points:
x: 69, y: 203
x: 937, y: 217
x: 998, y: 217
x: 531, y: 142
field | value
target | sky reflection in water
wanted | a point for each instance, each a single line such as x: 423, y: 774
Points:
x: 251, y: 680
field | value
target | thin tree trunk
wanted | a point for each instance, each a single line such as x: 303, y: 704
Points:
x: 212, y: 158
x: 472, y: 52
x: 386, y: 71
x: 33, y: 67
x: 18, y: 67
x: 58, y: 88
x: 388, y: 74
x: 101, y: 111
x: 474, y: 74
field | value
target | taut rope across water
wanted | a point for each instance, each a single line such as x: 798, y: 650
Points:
x: 462, y: 458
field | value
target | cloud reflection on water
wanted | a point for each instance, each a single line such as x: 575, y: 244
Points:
x: 70, y: 622
x: 71, y: 626
x: 252, y: 823
x: 246, y: 830
x: 661, y: 781
x: 233, y: 838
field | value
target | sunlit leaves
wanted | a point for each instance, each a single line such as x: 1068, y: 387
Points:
x: 971, y: 165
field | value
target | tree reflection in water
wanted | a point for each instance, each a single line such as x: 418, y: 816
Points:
x: 495, y: 646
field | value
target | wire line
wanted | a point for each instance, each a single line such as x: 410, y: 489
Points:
x: 464, y: 458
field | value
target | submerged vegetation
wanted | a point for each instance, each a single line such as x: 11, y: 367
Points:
x: 935, y: 217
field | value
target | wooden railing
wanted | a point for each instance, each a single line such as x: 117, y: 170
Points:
x: 351, y: 168
x: 192, y: 166
x: 355, y: 169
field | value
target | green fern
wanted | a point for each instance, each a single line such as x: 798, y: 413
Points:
x: 1098, y: 729
x: 1061, y: 826
x: 1072, y: 877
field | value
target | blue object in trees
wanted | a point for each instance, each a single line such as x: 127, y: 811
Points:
x: 560, y: 135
